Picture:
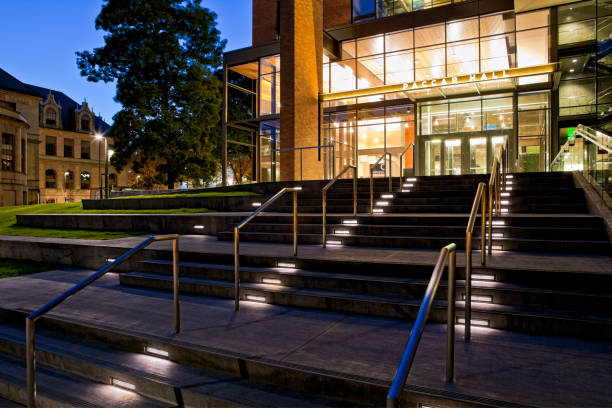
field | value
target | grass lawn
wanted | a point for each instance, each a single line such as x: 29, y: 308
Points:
x: 181, y: 195
x: 8, y: 220
x: 10, y: 268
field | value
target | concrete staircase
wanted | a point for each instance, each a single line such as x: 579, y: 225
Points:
x: 541, y: 212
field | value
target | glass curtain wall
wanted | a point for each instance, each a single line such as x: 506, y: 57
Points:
x: 269, y: 139
x: 533, y: 131
x: 364, y: 10
x: 372, y: 132
x: 480, y: 44
x: 269, y: 85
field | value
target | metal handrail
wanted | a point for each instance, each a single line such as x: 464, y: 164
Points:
x: 301, y: 149
x: 592, y: 136
x: 401, y: 161
x: 499, y: 172
x: 33, y: 317
x: 324, y: 197
x: 248, y: 219
x: 384, y: 155
x: 481, y: 199
x: 449, y: 253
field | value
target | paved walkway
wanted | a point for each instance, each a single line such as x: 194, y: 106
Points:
x: 529, y: 370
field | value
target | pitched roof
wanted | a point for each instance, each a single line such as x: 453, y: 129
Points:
x: 68, y: 106
x: 10, y: 83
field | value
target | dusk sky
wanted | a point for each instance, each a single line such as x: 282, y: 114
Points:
x: 40, y: 38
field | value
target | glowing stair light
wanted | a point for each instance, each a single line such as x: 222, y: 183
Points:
x: 334, y: 242
x: 379, y: 210
x: 198, y: 227
x: 483, y: 277
x: 497, y: 235
x: 288, y: 265
x: 505, y: 202
x: 350, y: 222
x: 411, y: 179
x: 253, y: 298
x: 383, y: 203
x: 343, y: 232
x: 481, y: 298
x: 405, y: 191
x: 123, y: 384
x: 256, y: 204
x: 408, y: 185
x: 510, y: 176
x: 271, y: 281
x: 156, y: 352
x: 386, y: 196
x: 474, y: 322
x: 505, y: 194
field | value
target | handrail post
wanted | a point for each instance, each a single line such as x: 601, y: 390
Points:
x: 236, y: 269
x: 175, y: 284
x: 450, y: 336
x: 490, y: 218
x: 324, y: 214
x: 390, y: 173
x: 483, y: 229
x: 301, y: 178
x: 31, y: 362
x: 295, y: 224
x: 468, y: 283
x: 371, y: 192
x: 354, y: 191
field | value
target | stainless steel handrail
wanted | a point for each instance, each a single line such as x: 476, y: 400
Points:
x: 481, y: 199
x: 324, y: 197
x: 248, y: 219
x: 497, y: 183
x: 384, y: 155
x: 33, y: 317
x: 301, y: 149
x: 401, y: 161
x: 449, y: 253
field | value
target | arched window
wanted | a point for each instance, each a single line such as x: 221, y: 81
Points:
x: 68, y: 180
x: 50, y: 179
x: 112, y: 180
x: 85, y: 180
x: 51, y: 117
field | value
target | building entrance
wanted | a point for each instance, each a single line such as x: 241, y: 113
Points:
x: 455, y: 154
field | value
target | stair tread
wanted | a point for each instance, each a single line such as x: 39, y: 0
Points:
x: 394, y: 299
x: 69, y: 389
x: 220, y: 387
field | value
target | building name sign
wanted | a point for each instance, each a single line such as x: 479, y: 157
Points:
x: 448, y: 81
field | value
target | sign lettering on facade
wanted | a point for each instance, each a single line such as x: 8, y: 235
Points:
x: 447, y: 81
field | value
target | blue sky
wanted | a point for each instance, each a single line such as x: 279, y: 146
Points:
x: 39, y: 39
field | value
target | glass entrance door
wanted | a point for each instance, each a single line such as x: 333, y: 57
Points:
x: 433, y: 157
x: 478, y: 155
x: 452, y: 157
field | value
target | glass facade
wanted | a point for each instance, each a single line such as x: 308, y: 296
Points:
x: 269, y: 85
x: 364, y: 10
x: 480, y: 44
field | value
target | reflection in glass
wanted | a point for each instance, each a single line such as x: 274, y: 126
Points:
x: 478, y: 155
x: 452, y: 154
x: 433, y: 160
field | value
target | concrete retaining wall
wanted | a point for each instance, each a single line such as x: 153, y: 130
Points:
x: 223, y: 203
x: 145, y: 223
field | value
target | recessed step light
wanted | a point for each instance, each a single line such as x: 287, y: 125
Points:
x: 379, y: 210
x: 350, y: 222
x: 257, y: 204
x: 271, y: 281
x: 123, y: 384
x: 505, y: 202
x: 343, y: 232
x: 505, y: 194
x: 254, y: 298
x: 405, y: 191
x: 382, y: 203
x: 410, y: 179
x: 508, y: 188
x: 483, y: 277
x: 155, y: 351
x: 198, y: 227
x: 497, y: 248
x: 474, y: 322
x: 297, y: 188
x: 504, y: 210
x: 408, y: 185
x: 498, y: 223
x: 510, y: 176
x: 508, y: 183
x: 110, y: 259
x: 334, y: 242
x: 481, y: 298
x: 386, y: 196
x: 288, y: 265
x: 497, y: 235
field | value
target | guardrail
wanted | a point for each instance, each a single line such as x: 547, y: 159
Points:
x: 248, y: 219
x: 388, y: 165
x: 33, y: 317
x: 449, y: 253
x: 324, y: 197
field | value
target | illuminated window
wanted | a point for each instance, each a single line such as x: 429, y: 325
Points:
x: 85, y: 180
x: 269, y: 85
x: 8, y: 152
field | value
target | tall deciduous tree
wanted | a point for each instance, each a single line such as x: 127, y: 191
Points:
x: 163, y: 55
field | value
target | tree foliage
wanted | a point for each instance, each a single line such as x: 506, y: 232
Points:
x: 163, y: 55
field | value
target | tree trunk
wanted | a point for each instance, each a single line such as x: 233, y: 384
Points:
x: 171, y: 181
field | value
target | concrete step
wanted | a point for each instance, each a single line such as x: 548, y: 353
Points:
x: 534, y: 320
x: 323, y: 387
x: 411, y: 285
x: 57, y: 388
x: 432, y: 242
x: 151, y: 375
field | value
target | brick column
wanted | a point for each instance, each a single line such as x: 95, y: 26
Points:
x: 301, y: 27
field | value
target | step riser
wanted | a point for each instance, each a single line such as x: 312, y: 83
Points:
x: 526, y: 324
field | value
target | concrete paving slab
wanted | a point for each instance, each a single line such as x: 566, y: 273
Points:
x: 521, y: 369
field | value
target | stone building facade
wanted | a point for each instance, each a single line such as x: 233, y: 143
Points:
x: 53, y: 148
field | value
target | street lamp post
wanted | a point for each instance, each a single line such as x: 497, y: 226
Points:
x: 103, y: 191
